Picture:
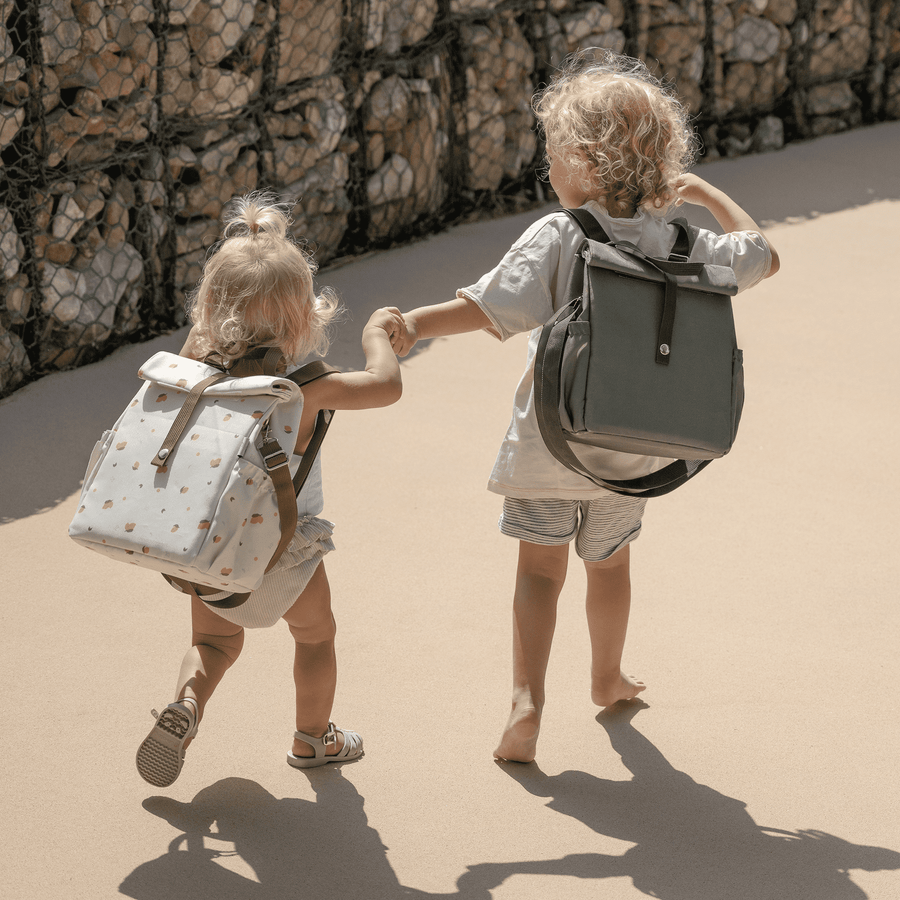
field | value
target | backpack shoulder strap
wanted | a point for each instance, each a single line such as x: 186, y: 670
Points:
x: 304, y: 375
x: 311, y: 371
x: 685, y: 238
x: 588, y: 224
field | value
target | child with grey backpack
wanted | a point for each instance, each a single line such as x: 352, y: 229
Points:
x: 618, y: 145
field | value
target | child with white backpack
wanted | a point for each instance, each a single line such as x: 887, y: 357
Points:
x: 257, y: 291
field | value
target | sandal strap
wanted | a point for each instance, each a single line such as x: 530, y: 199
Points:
x: 319, y: 744
x: 192, y: 711
x: 190, y: 700
x: 352, y: 745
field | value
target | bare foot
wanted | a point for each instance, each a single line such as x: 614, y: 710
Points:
x: 519, y: 740
x: 606, y: 692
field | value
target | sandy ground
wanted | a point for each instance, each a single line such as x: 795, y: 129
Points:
x: 763, y: 764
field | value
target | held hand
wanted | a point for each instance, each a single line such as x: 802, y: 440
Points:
x: 389, y: 319
x: 406, y: 338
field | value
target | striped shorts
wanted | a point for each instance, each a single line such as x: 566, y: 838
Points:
x: 600, y: 526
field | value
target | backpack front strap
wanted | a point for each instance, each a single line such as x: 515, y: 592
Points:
x: 163, y: 455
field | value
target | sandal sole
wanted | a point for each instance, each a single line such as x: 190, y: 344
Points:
x: 310, y: 762
x: 161, y: 755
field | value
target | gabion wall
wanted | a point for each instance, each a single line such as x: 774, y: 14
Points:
x: 125, y: 125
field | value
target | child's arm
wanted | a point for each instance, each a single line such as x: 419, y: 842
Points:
x: 453, y: 317
x: 731, y: 217
x: 378, y: 384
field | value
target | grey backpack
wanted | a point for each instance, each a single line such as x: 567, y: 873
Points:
x: 642, y: 359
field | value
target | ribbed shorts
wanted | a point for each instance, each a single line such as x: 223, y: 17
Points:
x: 599, y: 527
x: 282, y: 586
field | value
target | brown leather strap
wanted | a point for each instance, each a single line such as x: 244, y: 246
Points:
x: 287, y: 488
x: 276, y: 463
x: 261, y: 361
x: 272, y: 360
x: 188, y: 587
x: 304, y: 375
x: 164, y: 454
x: 311, y: 371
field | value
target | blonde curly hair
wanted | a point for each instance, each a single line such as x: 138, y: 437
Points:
x: 257, y: 289
x: 624, y: 135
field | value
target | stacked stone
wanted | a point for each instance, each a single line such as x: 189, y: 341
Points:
x: 146, y: 129
x: 756, y: 43
x: 497, y: 118
x: 126, y: 125
x: 230, y: 137
x: 839, y: 45
x: 64, y: 117
x: 402, y: 103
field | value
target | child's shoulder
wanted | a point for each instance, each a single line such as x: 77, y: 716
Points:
x: 547, y: 235
x: 547, y: 226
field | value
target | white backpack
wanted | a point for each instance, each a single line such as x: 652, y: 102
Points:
x: 195, y: 478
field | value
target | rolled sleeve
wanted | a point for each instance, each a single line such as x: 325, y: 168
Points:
x: 747, y: 252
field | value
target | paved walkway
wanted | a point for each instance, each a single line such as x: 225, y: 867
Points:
x: 763, y: 764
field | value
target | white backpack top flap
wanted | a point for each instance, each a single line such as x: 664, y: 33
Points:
x: 181, y: 374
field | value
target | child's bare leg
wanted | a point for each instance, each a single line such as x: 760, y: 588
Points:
x: 608, y: 605
x: 216, y: 644
x: 540, y: 577
x: 315, y: 664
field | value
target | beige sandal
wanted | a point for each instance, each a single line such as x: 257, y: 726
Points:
x: 161, y: 754
x: 352, y: 749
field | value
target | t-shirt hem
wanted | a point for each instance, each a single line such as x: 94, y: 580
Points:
x: 518, y: 493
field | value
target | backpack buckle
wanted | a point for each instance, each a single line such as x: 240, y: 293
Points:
x: 270, y: 450
x: 273, y: 456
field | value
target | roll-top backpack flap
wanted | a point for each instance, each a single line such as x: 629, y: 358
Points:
x: 626, y: 259
x: 642, y: 362
x: 209, y: 513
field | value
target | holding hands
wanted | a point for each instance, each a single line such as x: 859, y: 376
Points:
x: 402, y: 332
x: 388, y: 318
x: 407, y: 336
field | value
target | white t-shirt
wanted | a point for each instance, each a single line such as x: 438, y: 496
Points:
x: 523, y: 292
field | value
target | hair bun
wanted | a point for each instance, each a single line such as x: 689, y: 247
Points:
x: 255, y: 213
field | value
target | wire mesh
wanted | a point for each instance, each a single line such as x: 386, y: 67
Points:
x: 126, y: 125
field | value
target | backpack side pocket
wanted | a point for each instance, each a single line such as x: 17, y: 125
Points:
x: 574, y: 376
x: 98, y: 454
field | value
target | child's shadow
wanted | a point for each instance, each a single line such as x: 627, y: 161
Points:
x: 239, y: 842
x: 691, y: 842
